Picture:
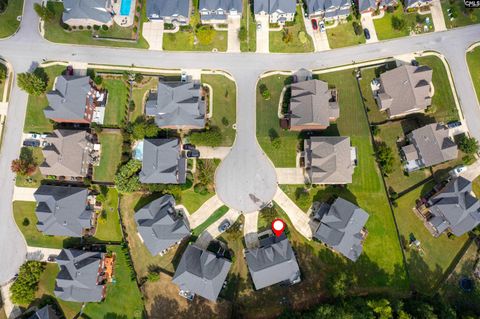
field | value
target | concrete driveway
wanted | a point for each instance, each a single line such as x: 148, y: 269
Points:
x: 263, y: 35
x: 293, y: 175
x: 367, y: 23
x: 213, y: 152
x: 437, y: 16
x: 250, y: 230
x: 233, y: 28
x: 153, y: 33
x: 212, y: 231
x: 320, y: 39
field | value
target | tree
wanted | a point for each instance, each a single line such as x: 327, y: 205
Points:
x: 3, y: 5
x: 205, y: 172
x: 287, y: 36
x: 242, y: 34
x: 385, y: 157
x: 381, y: 308
x: 24, y: 288
x: 337, y: 284
x: 468, y: 145
x: 138, y: 77
x: 143, y: 127
x: 420, y: 18
x: 211, y: 137
x: 32, y: 83
x: 398, y: 23
x: 264, y: 91
x: 126, y: 179
x: 23, y: 167
x: 46, y: 13
x: 206, y: 34
x: 357, y: 28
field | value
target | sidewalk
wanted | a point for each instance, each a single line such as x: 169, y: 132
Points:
x: 212, y: 231
x: 299, y: 219
x: 207, y: 209
x: 24, y: 193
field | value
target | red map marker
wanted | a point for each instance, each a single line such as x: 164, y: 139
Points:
x: 278, y: 226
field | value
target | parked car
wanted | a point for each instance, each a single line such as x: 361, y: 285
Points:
x: 367, y: 33
x: 193, y: 153
x: 415, y: 62
x: 30, y: 142
x: 458, y: 170
x: 314, y: 24
x: 224, y: 226
x: 51, y: 258
x: 454, y: 124
x: 322, y: 27
x: 188, y: 147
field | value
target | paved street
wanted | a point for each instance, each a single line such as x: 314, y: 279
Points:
x: 246, y: 179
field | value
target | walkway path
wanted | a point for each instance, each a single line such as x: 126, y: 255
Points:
x: 212, y: 231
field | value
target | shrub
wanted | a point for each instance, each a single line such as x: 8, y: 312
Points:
x: 153, y: 276
x: 105, y: 27
x: 419, y: 18
x: 96, y: 27
x: 242, y: 34
x: 135, y: 29
x: 74, y: 27
x: 398, y: 23
x: 136, y: 19
x: 98, y: 80
x: 385, y: 157
x: 24, y: 288
x: 138, y: 8
x: 349, y: 18
x: 375, y: 130
x: 302, y: 37
x: 89, y: 27
x: 264, y: 91
x: 131, y: 105
x: 225, y: 121
x: 200, y: 189
x: 468, y: 145
x: 26, y: 222
x: 80, y: 27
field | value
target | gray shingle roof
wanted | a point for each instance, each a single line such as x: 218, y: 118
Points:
x: 201, y: 272
x: 405, y: 89
x: 328, y: 159
x: 274, y: 262
x: 44, y: 313
x: 334, y: 6
x: 159, y: 225
x: 68, y: 99
x: 271, y: 6
x: 364, y: 5
x: 168, y: 8
x: 340, y: 228
x: 433, y: 144
x: 309, y: 104
x: 177, y: 104
x: 62, y: 211
x: 163, y: 162
x: 212, y: 6
x: 87, y: 9
x: 77, y: 279
x: 455, y: 207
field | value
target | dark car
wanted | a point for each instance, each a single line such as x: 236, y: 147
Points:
x: 415, y: 63
x: 51, y: 258
x: 193, y: 153
x: 454, y: 124
x: 188, y: 147
x: 224, y: 226
x: 367, y: 33
x: 314, y: 24
x: 34, y: 143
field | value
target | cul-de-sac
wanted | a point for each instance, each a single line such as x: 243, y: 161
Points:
x: 164, y: 159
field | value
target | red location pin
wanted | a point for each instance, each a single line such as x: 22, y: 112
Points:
x: 278, y: 226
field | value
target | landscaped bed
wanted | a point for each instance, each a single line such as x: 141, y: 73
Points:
x: 462, y: 15
x: 344, y: 35
x: 8, y: 19
x: 32, y: 155
x: 298, y: 39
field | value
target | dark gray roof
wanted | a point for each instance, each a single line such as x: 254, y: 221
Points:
x: 309, y: 104
x: 163, y: 162
x: 274, y: 262
x: 159, y: 225
x: 68, y: 99
x: 77, y: 279
x: 168, y: 8
x: 177, y: 104
x: 44, y: 313
x: 340, y: 228
x: 455, y: 207
x: 271, y: 6
x: 212, y: 6
x: 372, y: 4
x: 433, y: 144
x: 62, y: 210
x: 334, y: 6
x: 201, y: 272
x: 87, y: 9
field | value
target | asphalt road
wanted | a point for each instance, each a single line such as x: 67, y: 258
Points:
x: 245, y: 179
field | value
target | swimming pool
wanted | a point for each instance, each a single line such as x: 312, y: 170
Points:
x: 125, y: 7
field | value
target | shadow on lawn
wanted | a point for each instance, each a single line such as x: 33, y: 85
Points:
x: 165, y: 307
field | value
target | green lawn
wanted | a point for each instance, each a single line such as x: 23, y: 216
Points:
x: 8, y: 19
x: 55, y: 33
x: 216, y: 215
x: 117, y: 101
x: 193, y: 200
x: 249, y: 45
x: 183, y: 40
x: 443, y: 103
x: 464, y: 16
x: 111, y: 153
x: 37, y: 177
x: 109, y: 228
x: 140, y: 94
x: 426, y: 266
x: 385, y: 30
x: 473, y: 60
x: 3, y: 83
x: 374, y: 114
x: 343, y: 35
x: 277, y: 44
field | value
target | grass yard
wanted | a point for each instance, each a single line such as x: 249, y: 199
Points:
x: 55, y: 33
x: 109, y: 228
x: 295, y: 45
x: 193, y: 200
x: 463, y: 15
x: 343, y: 35
x: 37, y: 177
x: 117, y: 101
x: 3, y: 83
x: 473, y: 60
x: 374, y: 114
x: 184, y: 40
x: 140, y: 94
x: 8, y: 19
x: 443, y: 103
x: 111, y: 153
x: 385, y: 30
x: 216, y: 215
x: 426, y: 266
x: 248, y: 22
x: 35, y: 120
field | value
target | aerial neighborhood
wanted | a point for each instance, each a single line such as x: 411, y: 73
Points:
x: 239, y: 159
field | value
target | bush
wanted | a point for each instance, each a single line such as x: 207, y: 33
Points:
x: 302, y: 37
x: 385, y: 157
x: 80, y: 27
x: 468, y: 145
x: 89, y: 27
x: 98, y: 80
x: 24, y: 288
x: 419, y: 18
x: 105, y: 27
x: 153, y: 276
x: 135, y: 29
x: 398, y: 24
x: 136, y: 19
x: 349, y: 18
x: 264, y: 91
x: 200, y: 189
x: 375, y: 130
x: 32, y: 83
x: 206, y: 34
x: 242, y: 34
x: 26, y: 222
x: 138, y: 8
x: 96, y: 27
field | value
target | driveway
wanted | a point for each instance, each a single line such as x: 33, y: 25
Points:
x: 263, y: 35
x: 153, y: 33
x: 233, y: 28
x: 212, y: 231
x: 198, y: 217
x: 41, y: 253
x: 367, y: 23
x: 293, y: 175
x: 213, y: 152
x: 320, y: 39
x: 250, y: 230
x: 437, y: 16
x: 24, y: 193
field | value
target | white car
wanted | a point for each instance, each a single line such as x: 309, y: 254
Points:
x: 322, y: 27
x: 458, y: 170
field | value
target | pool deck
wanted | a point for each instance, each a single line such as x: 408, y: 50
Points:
x: 124, y: 21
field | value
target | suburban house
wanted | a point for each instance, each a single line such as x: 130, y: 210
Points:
x: 454, y: 208
x: 177, y: 105
x: 312, y: 106
x: 169, y: 11
x: 201, y: 272
x: 279, y: 11
x: 342, y: 227
x: 273, y: 262
x: 160, y: 226
x: 69, y: 153
x: 416, y: 4
x: 329, y: 159
x: 218, y: 11
x: 404, y: 90
x: 82, y: 275
x: 87, y: 12
x: 46, y: 312
x: 74, y: 99
x: 365, y: 6
x: 429, y: 145
x: 328, y: 9
x: 65, y: 211
x: 163, y: 162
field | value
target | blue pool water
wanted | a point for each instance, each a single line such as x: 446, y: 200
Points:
x: 125, y: 7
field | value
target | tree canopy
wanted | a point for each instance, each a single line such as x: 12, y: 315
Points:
x: 32, y: 83
x: 24, y: 288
